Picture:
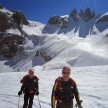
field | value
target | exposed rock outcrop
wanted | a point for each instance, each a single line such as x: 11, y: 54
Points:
x: 19, y: 17
x: 74, y: 15
x: 6, y: 21
x: 87, y: 14
x: 42, y: 53
x: 9, y: 44
x: 62, y: 21
x: 1, y: 7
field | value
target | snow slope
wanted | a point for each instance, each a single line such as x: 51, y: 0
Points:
x: 64, y: 50
x: 68, y: 48
x: 65, y: 45
x: 91, y: 81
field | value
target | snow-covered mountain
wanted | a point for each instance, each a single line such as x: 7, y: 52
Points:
x: 77, y: 39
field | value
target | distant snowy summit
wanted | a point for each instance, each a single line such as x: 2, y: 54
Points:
x: 86, y: 15
x: 84, y: 23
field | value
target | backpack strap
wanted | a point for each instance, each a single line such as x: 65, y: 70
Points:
x: 22, y: 80
x: 60, y: 81
x: 72, y: 82
x: 36, y: 78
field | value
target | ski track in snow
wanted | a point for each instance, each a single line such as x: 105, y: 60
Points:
x: 91, y: 81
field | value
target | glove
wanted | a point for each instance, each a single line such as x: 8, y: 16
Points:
x: 37, y: 93
x: 19, y: 93
x: 79, y: 106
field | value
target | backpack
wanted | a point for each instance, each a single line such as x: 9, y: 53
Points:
x: 22, y: 80
x: 65, y: 90
x: 29, y: 83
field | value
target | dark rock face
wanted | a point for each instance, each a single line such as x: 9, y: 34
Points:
x: 6, y: 21
x: 1, y: 7
x: 63, y: 22
x: 19, y: 17
x: 93, y: 14
x: 9, y: 44
x: 103, y: 19
x: 81, y: 13
x: 54, y: 20
x: 42, y: 53
x: 9, y: 19
x: 87, y: 14
x: 74, y: 15
x: 107, y: 35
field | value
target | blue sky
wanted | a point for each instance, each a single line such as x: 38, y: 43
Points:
x: 42, y: 10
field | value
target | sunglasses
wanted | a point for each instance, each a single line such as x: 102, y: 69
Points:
x: 66, y: 73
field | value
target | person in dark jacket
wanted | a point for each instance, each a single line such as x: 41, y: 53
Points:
x: 64, y: 91
x: 29, y: 88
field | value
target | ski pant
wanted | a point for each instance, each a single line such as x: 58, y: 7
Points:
x: 28, y: 97
x: 64, y: 105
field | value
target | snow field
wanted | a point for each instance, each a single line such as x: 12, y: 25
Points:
x: 91, y: 81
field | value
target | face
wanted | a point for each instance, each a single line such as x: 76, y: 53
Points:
x: 66, y: 73
x: 31, y: 73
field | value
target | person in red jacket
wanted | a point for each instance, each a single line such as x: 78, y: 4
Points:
x: 64, y: 91
x: 29, y: 88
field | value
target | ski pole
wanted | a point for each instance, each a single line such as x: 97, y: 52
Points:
x: 39, y: 101
x: 19, y: 102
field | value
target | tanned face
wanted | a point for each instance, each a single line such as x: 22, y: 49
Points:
x: 31, y: 73
x: 66, y: 73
